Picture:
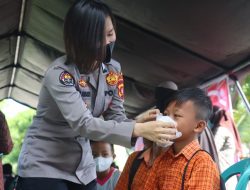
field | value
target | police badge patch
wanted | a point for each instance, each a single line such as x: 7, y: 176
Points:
x: 112, y: 78
x: 82, y: 83
x: 66, y: 79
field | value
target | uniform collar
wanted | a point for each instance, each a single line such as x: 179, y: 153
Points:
x: 104, y: 68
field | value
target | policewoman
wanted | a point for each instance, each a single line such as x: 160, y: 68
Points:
x: 77, y: 89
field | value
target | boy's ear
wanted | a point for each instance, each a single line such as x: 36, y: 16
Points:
x: 200, y: 126
x: 114, y: 156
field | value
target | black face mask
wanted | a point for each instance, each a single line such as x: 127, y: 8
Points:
x: 109, y: 50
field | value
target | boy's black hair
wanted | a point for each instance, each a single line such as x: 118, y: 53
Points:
x: 200, y: 100
x: 112, y: 146
x: 112, y: 150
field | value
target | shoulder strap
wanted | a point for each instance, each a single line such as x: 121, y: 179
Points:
x: 185, y: 169
x: 133, y: 169
x: 222, y: 183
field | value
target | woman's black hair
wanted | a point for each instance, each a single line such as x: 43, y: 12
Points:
x: 217, y: 115
x: 84, y: 35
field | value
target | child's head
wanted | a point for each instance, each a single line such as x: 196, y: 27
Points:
x: 7, y: 169
x: 103, y: 154
x: 191, y: 109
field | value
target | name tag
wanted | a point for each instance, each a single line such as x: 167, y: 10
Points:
x: 86, y: 94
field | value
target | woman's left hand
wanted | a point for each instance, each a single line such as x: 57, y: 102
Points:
x: 149, y: 115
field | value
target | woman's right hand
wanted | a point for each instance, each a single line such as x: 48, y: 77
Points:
x: 149, y: 115
x: 156, y: 131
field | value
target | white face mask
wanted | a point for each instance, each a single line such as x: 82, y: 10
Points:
x: 102, y: 163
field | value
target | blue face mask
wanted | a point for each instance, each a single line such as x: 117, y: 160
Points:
x: 109, y: 51
x: 102, y: 164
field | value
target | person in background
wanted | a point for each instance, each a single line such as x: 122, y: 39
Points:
x: 207, y: 143
x: 107, y: 175
x: 163, y: 93
x: 9, y: 179
x: 225, y: 144
x: 228, y: 122
x: 6, y: 144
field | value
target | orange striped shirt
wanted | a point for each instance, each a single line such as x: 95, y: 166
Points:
x: 167, y: 171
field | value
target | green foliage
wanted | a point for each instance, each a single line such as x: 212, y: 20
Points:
x: 18, y: 126
x: 241, y: 115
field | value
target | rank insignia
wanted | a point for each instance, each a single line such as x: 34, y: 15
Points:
x: 120, y: 87
x: 66, y: 79
x: 112, y: 78
x: 82, y: 83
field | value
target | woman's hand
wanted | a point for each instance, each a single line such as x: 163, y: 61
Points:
x: 149, y: 115
x: 156, y: 131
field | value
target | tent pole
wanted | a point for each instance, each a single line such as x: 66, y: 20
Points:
x: 17, y: 47
x: 243, y: 96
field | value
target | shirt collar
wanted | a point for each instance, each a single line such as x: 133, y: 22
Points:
x: 187, y: 151
x: 146, y: 155
x: 104, y: 69
x: 151, y: 153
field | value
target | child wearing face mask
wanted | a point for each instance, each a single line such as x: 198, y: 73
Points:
x: 107, y: 175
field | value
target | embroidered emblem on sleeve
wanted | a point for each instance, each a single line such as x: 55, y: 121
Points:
x: 112, y: 78
x: 120, y: 86
x: 66, y: 79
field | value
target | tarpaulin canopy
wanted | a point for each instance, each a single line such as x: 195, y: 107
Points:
x: 188, y: 42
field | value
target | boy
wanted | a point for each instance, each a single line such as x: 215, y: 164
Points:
x: 190, y: 108
x: 107, y: 175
